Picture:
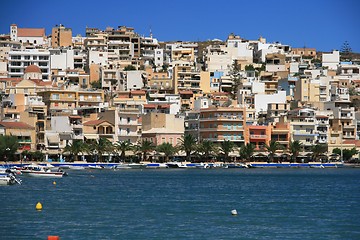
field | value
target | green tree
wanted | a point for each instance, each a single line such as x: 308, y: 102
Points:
x: 75, y: 148
x: 144, y: 147
x: 96, y: 84
x: 235, y: 76
x: 122, y: 147
x: 206, y: 148
x: 294, y: 148
x: 272, y: 148
x: 188, y: 145
x: 99, y: 147
x: 247, y: 151
x: 346, y: 51
x: 130, y: 68
x: 168, y: 149
x: 317, y: 150
x: 8, y: 147
x: 347, y: 154
x: 226, y: 147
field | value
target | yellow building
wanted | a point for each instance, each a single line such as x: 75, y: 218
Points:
x: 219, y: 124
x: 24, y: 133
x: 61, y: 36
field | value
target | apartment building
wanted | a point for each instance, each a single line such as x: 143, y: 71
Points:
x: 61, y: 36
x: 257, y: 135
x: 19, y: 60
x: 162, y: 128
x: 218, y: 124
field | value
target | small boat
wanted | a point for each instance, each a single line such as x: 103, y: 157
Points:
x: 120, y: 167
x: 8, y: 179
x: 96, y: 167
x: 156, y: 165
x: 41, y: 171
x: 76, y: 167
x: 137, y: 165
x: 176, y: 165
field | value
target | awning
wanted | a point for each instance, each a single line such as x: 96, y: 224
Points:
x: 53, y: 139
x: 91, y: 136
x: 65, y: 136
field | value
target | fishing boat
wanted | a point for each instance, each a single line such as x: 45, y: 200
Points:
x: 41, y: 171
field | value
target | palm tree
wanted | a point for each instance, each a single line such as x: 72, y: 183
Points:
x: 188, y: 145
x: 123, y: 146
x: 294, y: 148
x: 206, y: 148
x: 272, y: 148
x: 246, y: 151
x: 75, y: 148
x: 226, y: 147
x: 317, y: 150
x: 144, y: 147
x: 168, y: 149
x: 99, y: 147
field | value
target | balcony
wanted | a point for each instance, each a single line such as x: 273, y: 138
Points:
x: 254, y: 136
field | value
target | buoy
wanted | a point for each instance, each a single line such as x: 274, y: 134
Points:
x: 53, y: 238
x: 233, y: 212
x: 38, y: 206
x: 54, y: 182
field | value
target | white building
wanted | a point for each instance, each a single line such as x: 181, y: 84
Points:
x: 261, y: 101
x: 331, y: 60
x: 62, y: 59
x: 134, y: 80
x: 19, y: 60
x: 34, y: 36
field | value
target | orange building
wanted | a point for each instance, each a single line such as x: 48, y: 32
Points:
x: 259, y: 136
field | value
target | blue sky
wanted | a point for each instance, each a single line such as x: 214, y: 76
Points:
x: 324, y: 25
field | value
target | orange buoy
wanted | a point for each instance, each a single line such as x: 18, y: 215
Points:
x: 53, y: 238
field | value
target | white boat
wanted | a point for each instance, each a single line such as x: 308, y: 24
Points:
x: 120, y: 167
x: 176, y: 165
x: 8, y: 179
x: 96, y: 167
x: 41, y: 171
x: 137, y: 165
x: 71, y: 167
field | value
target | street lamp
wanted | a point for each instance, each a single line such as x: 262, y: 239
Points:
x: 7, y: 150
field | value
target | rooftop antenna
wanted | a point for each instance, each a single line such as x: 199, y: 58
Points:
x: 151, y: 35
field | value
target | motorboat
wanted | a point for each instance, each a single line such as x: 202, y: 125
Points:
x: 120, y: 167
x: 137, y: 165
x: 156, y: 165
x: 8, y: 179
x: 41, y: 171
x: 176, y: 165
x: 96, y: 167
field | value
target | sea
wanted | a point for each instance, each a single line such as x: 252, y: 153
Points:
x: 185, y: 204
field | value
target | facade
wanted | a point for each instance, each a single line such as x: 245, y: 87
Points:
x: 219, y: 124
x: 61, y: 36
x: 19, y: 60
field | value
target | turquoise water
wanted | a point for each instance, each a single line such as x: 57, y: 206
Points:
x: 186, y: 204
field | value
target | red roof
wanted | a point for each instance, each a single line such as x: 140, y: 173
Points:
x: 32, y: 69
x: 16, y: 125
x: 154, y: 106
x: 138, y: 92
x: 41, y: 82
x: 94, y: 122
x: 75, y: 117
x: 31, y: 32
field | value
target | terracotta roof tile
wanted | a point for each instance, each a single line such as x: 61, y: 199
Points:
x: 16, y: 125
x: 31, y: 32
x: 94, y: 122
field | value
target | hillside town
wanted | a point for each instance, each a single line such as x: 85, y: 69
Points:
x: 92, y: 97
